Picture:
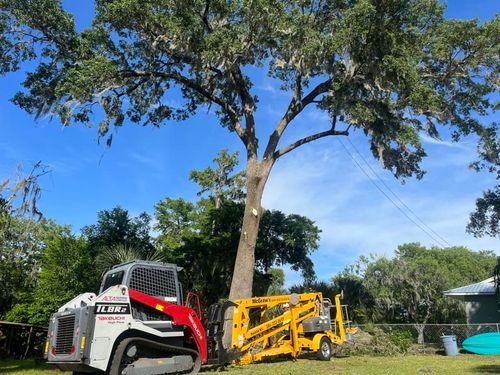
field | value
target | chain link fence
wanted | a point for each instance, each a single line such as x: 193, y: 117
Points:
x: 430, y: 333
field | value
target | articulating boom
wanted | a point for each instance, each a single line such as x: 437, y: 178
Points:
x: 277, y: 325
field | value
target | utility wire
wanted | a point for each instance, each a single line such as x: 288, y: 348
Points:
x: 429, y: 234
x: 395, y: 195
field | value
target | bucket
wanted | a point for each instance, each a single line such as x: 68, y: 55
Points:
x: 450, y: 345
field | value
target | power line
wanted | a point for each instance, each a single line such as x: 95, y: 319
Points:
x: 429, y: 234
x: 395, y: 195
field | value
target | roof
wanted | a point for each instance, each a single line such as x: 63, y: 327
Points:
x: 485, y: 287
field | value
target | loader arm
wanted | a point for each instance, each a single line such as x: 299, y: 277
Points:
x: 181, y: 316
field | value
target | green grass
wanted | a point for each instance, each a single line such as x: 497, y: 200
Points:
x: 26, y: 367
x: 407, y: 365
x: 423, y: 364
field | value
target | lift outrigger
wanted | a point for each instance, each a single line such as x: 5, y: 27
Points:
x: 264, y: 327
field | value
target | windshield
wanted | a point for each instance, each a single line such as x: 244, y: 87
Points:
x: 112, y: 279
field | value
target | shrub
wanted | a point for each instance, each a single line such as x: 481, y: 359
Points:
x: 369, y: 328
x: 403, y: 340
x: 376, y: 343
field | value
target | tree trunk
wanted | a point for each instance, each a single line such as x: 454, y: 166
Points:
x: 241, y: 283
x: 420, y: 331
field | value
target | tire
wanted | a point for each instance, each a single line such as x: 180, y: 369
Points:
x: 116, y: 363
x: 324, y: 352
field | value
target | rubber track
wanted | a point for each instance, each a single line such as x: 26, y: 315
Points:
x: 120, y: 351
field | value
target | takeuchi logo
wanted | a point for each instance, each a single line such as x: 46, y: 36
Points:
x: 195, y: 327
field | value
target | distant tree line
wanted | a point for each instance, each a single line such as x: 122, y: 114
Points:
x: 408, y: 288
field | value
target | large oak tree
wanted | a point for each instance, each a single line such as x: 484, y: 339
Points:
x: 390, y: 68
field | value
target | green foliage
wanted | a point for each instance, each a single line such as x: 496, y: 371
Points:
x: 204, y: 241
x: 405, y: 54
x: 357, y: 297
x: 360, y: 301
x: 327, y: 289
x: 175, y: 220
x: 67, y: 270
x: 203, y: 237
x: 402, y: 339
x: 485, y: 219
x: 409, y: 287
x: 21, y: 247
x: 370, y: 328
x: 277, y: 286
x: 373, y: 343
x: 404, y: 291
x: 43, y: 265
x: 219, y: 182
x: 115, y: 227
x: 392, y: 68
x: 118, y: 254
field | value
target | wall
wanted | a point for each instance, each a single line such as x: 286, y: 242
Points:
x: 482, y: 309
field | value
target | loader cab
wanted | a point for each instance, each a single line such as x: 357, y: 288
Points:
x: 153, y: 278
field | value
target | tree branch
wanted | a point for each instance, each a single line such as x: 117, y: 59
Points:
x: 193, y: 85
x: 248, y: 105
x: 311, y: 138
x: 296, y: 106
x: 204, y: 16
x: 308, y: 139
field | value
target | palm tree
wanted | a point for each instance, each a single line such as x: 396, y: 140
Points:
x: 121, y: 253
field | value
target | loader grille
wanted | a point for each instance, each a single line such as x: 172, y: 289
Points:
x: 64, y: 337
x: 154, y: 281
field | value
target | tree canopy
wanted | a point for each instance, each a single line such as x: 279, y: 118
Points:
x: 392, y: 69
x: 486, y: 218
x: 408, y: 288
x: 22, y: 243
x: 66, y: 271
x: 116, y: 227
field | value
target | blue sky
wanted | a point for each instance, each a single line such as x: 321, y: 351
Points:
x: 319, y: 180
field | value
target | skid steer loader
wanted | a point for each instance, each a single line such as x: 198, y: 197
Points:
x: 137, y: 325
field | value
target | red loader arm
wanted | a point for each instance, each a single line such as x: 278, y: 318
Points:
x: 181, y: 316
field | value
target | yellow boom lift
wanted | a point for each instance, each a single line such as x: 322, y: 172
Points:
x: 271, y: 326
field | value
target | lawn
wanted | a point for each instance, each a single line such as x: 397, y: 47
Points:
x: 423, y: 364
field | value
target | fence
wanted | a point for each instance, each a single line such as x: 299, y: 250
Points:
x: 21, y: 340
x: 431, y: 333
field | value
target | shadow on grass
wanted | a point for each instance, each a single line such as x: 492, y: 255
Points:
x: 13, y: 366
x: 487, y: 369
